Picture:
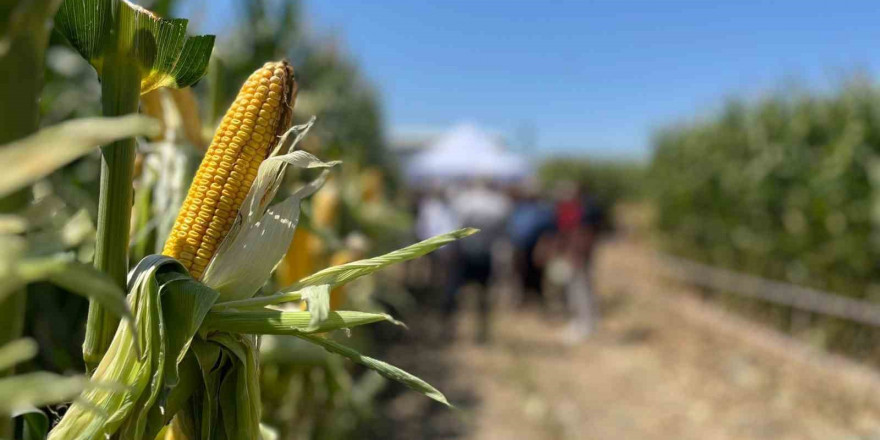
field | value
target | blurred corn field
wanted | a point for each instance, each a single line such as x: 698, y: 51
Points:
x: 786, y: 187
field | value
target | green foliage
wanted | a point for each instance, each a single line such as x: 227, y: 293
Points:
x: 338, y: 275
x: 35, y: 424
x: 25, y: 37
x: 116, y: 31
x: 785, y: 188
x: 608, y: 181
x: 168, y: 363
x: 133, y: 51
x: 41, y: 388
x: 182, y: 359
x: 143, y: 362
x: 20, y: 393
x: 53, y: 147
x: 386, y: 370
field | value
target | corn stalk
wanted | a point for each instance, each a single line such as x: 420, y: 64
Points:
x: 133, y: 52
x: 120, y: 90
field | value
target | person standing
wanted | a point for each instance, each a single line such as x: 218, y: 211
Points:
x: 435, y: 216
x: 579, y: 220
x: 531, y: 219
x: 487, y: 209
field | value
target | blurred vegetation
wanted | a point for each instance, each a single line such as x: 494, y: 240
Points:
x: 786, y: 188
x: 332, y: 87
x: 607, y: 181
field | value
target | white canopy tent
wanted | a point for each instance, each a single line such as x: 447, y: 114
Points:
x: 466, y: 152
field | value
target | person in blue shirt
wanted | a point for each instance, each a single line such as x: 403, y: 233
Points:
x: 531, y: 219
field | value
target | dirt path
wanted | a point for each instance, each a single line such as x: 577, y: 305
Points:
x: 663, y: 365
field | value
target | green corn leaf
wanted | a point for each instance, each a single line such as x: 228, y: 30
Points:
x: 77, y: 278
x: 228, y: 404
x: 81, y: 279
x: 168, y: 307
x: 260, y: 301
x: 387, y: 370
x: 337, y: 275
x: 51, y: 148
x: 99, y: 412
x: 268, y: 433
x: 164, y: 55
x: 35, y: 424
x: 183, y: 304
x: 239, y: 393
x: 16, y: 352
x: 37, y: 389
x: 344, y: 273
x: 62, y: 270
x: 276, y: 322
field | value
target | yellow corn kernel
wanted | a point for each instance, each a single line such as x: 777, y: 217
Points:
x: 225, y: 175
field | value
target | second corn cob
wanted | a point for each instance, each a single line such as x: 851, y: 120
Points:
x: 262, y: 111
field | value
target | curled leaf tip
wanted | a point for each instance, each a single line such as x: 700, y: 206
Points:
x: 465, y: 232
x: 391, y: 319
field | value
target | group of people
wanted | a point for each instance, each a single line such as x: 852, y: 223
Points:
x: 544, y: 243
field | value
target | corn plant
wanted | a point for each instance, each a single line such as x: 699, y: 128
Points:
x: 183, y: 362
x: 785, y: 188
x: 27, y: 252
x: 134, y: 52
x: 191, y: 358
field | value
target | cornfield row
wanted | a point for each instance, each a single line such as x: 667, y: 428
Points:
x: 787, y: 188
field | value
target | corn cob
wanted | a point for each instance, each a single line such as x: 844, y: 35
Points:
x: 261, y: 112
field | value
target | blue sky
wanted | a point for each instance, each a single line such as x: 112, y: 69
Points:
x: 592, y: 78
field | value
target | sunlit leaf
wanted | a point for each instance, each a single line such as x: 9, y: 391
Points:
x: 168, y: 306
x: 276, y: 322
x: 16, y: 352
x: 344, y: 273
x: 81, y: 279
x: 268, y: 433
x: 387, y: 370
x: 337, y: 275
x: 37, y: 389
x: 166, y: 57
x: 51, y: 148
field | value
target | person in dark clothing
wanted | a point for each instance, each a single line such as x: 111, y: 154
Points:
x: 484, y: 208
x: 531, y: 219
